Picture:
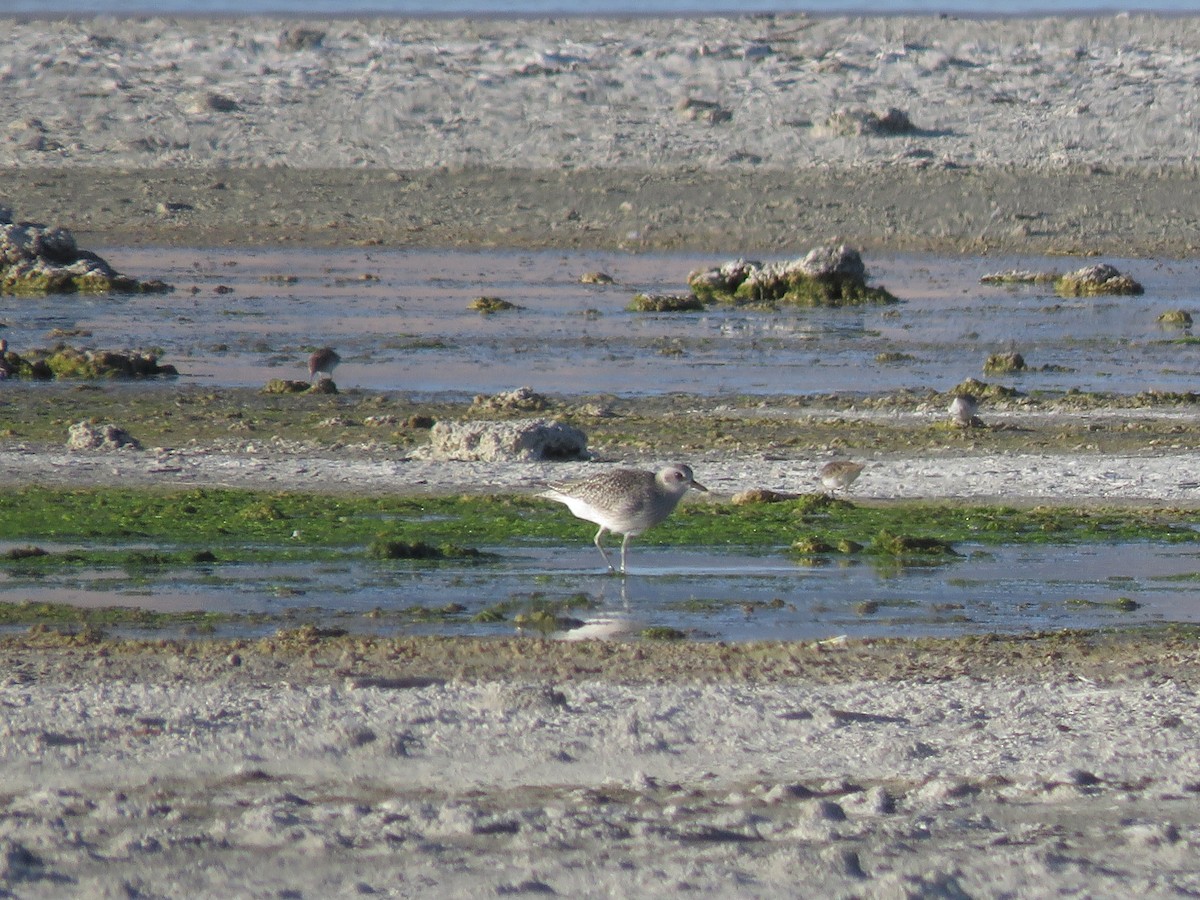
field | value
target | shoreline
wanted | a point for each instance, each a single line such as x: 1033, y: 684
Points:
x: 314, y: 765
x: 1097, y: 213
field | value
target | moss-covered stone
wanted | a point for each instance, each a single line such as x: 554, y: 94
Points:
x: 490, y: 305
x: 39, y: 259
x: 659, y: 303
x: 66, y: 362
x: 1000, y: 363
x: 1100, y: 279
x: 827, y: 276
x: 1177, y: 318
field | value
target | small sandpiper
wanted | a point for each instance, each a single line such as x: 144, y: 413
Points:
x: 322, y: 363
x: 625, y: 501
x: 840, y: 474
x: 962, y: 410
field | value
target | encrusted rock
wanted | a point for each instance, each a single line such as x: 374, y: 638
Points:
x: 63, y: 361
x: 703, y: 110
x: 522, y: 399
x: 1095, y: 280
x: 834, y: 262
x: 665, y: 303
x: 523, y: 440
x: 489, y: 305
x: 43, y: 259
x: 1000, y: 363
x: 1179, y: 318
x: 856, y: 122
x: 87, y: 436
x: 1020, y: 276
x: 596, y: 278
x: 832, y: 275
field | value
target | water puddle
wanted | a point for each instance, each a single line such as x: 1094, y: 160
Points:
x: 401, y: 322
x: 707, y: 595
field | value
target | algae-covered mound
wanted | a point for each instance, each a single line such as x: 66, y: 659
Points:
x: 41, y: 259
x: 62, y: 361
x: 827, y: 276
x: 660, y: 303
x: 1096, y: 280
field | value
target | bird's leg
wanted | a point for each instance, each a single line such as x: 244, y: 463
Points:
x: 624, y: 547
x: 598, y: 541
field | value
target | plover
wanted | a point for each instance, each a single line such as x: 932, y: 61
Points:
x: 962, y: 409
x: 840, y: 474
x: 323, y: 362
x: 625, y: 501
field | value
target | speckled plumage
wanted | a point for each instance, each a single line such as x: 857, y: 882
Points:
x: 840, y: 474
x: 625, y: 501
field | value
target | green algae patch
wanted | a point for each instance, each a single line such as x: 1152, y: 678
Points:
x: 890, y: 544
x: 212, y: 527
x: 65, y: 616
x: 537, y: 611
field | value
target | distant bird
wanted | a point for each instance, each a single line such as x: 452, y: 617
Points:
x: 322, y: 363
x: 962, y: 409
x: 625, y: 501
x: 840, y: 474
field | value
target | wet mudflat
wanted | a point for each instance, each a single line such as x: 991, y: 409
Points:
x: 402, y: 322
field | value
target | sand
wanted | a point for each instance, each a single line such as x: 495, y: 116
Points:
x: 749, y: 135
x: 323, y: 768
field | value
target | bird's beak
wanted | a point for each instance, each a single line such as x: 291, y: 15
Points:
x: 698, y: 486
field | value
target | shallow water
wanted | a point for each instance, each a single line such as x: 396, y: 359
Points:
x: 706, y: 594
x: 401, y: 322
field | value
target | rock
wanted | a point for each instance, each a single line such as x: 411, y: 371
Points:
x: 999, y: 363
x: 285, y: 386
x: 86, y: 436
x: 858, y: 122
x: 834, y: 262
x: 66, y: 362
x: 702, y: 110
x: 300, y: 38
x: 1178, y: 318
x: 1095, y: 280
x: 832, y: 275
x: 596, y: 278
x: 665, y: 303
x: 489, y: 305
x: 41, y: 259
x: 524, y: 440
x: 522, y: 399
x: 1020, y: 276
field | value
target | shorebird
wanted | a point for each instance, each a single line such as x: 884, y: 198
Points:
x: 962, y: 409
x: 323, y: 362
x: 840, y: 474
x: 625, y: 501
